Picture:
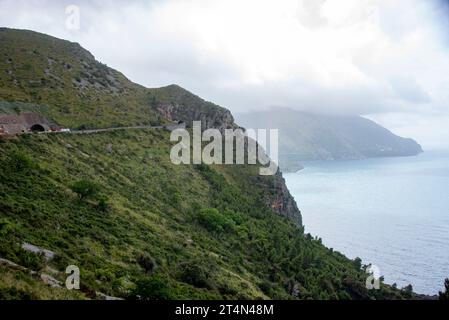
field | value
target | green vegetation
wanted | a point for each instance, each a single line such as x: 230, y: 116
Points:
x: 19, y: 285
x: 151, y: 288
x: 445, y: 295
x: 85, y: 189
x: 215, y: 221
x: 62, y: 81
x: 170, y: 231
x: 113, y: 204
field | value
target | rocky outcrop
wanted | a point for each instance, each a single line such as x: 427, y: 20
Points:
x: 278, y: 197
x: 179, y: 104
x: 219, y: 119
x: 283, y: 202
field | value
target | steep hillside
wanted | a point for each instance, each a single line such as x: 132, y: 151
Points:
x: 190, y: 231
x: 316, y: 137
x: 114, y: 205
x: 64, y: 82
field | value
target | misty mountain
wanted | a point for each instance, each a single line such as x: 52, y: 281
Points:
x: 306, y: 136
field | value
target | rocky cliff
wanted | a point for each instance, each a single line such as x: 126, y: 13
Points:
x: 177, y: 104
x: 279, y: 199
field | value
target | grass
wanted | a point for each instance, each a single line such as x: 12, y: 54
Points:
x: 113, y: 204
x: 64, y: 82
x: 206, y: 233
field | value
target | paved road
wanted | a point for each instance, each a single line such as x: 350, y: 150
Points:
x: 93, y: 131
x: 112, y: 129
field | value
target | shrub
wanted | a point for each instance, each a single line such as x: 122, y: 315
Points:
x: 357, y: 263
x: 20, y: 162
x: 5, y: 227
x: 103, y: 205
x: 445, y: 295
x: 85, y: 189
x: 195, y: 274
x: 407, y: 291
x: 147, y: 262
x: 33, y: 261
x: 152, y: 288
x: 214, y: 221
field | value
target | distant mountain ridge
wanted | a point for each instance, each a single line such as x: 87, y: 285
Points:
x: 309, y: 136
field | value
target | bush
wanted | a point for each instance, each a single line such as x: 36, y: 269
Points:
x: 33, y: 261
x: 20, y: 162
x: 103, y: 205
x: 445, y: 295
x: 407, y: 291
x: 357, y: 263
x: 85, y: 189
x: 214, y: 221
x: 153, y: 288
x: 147, y: 262
x: 6, y: 227
x: 195, y: 274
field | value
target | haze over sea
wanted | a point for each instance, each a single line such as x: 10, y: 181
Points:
x: 391, y: 212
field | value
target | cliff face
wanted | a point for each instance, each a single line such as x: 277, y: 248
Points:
x: 176, y: 103
x: 279, y: 198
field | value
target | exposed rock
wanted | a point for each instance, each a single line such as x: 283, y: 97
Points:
x: 109, y: 148
x: 218, y: 119
x: 279, y: 198
x: 10, y: 264
x: 49, y: 255
x: 5, y: 262
x: 187, y: 107
x: 49, y: 280
x: 102, y: 296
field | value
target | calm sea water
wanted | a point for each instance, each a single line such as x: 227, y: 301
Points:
x: 391, y: 212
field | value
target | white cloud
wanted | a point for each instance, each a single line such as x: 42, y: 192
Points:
x: 387, y: 58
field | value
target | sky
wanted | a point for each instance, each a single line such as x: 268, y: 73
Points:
x: 384, y: 59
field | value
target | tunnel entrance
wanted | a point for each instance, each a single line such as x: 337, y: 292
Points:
x: 37, y: 128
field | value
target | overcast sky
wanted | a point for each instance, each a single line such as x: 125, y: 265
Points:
x: 388, y: 59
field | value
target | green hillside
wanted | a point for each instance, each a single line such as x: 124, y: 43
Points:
x: 202, y: 230
x: 137, y: 226
x: 74, y: 90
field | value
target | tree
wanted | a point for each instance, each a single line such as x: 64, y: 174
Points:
x: 21, y: 162
x: 194, y: 273
x: 358, y: 263
x: 408, y: 291
x: 147, y: 263
x: 151, y: 288
x: 85, y: 189
x: 445, y: 295
x: 214, y: 221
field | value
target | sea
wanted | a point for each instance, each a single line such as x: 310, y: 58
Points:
x: 392, y: 213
